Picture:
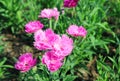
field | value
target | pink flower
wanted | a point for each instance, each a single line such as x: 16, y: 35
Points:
x: 49, y: 13
x: 25, y: 62
x: 54, y: 65
x: 52, y: 62
x: 63, y: 46
x: 44, y: 39
x: 70, y: 3
x: 76, y: 31
x: 41, y: 42
x: 67, y: 45
x: 33, y: 26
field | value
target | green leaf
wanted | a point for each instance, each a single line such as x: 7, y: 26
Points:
x: 114, y: 62
x: 3, y: 61
x: 7, y: 66
x: 69, y: 78
x: 104, y: 66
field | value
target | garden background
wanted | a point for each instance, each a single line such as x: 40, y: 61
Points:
x: 94, y: 58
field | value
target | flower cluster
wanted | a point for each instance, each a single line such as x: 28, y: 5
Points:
x: 56, y: 46
x: 25, y: 62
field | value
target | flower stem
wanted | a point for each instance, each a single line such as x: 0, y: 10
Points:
x: 50, y: 23
x: 55, y: 24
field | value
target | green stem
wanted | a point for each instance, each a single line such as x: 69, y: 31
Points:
x: 50, y: 75
x: 50, y: 23
x: 79, y: 41
x: 55, y: 24
x: 73, y: 12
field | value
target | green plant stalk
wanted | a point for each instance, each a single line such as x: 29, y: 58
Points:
x: 79, y: 40
x: 54, y: 28
x: 50, y: 23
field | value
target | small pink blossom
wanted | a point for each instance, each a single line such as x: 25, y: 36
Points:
x: 52, y: 62
x: 70, y: 3
x: 54, y: 65
x: 49, y: 13
x: 33, y: 26
x: 25, y: 62
x: 76, y: 31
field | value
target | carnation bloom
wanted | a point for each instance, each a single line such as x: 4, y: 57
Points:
x: 33, y: 26
x: 63, y: 46
x: 45, y: 39
x: 25, y: 62
x: 49, y: 13
x: 52, y: 62
x: 70, y: 3
x: 76, y: 31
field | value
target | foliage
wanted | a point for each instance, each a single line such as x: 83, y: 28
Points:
x: 101, y: 19
x: 4, y: 73
x: 12, y: 17
x: 1, y: 44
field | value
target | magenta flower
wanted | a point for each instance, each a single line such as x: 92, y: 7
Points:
x: 49, y: 13
x: 63, y: 46
x: 25, y: 62
x: 44, y: 39
x: 41, y: 42
x: 33, y: 26
x: 70, y: 3
x: 52, y: 62
x: 76, y: 31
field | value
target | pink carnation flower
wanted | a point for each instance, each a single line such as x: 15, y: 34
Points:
x: 52, y: 62
x: 33, y: 26
x: 25, y: 62
x: 63, y: 46
x: 70, y: 3
x: 49, y: 13
x: 44, y: 39
x: 76, y: 31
